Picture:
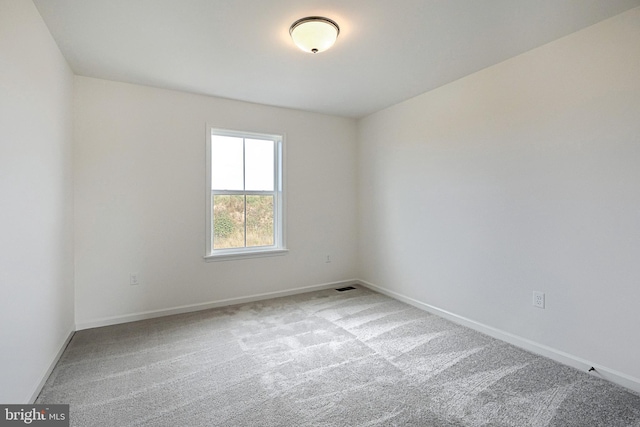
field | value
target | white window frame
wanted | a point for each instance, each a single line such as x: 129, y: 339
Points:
x: 279, y: 246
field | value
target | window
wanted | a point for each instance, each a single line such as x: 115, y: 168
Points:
x: 244, y: 195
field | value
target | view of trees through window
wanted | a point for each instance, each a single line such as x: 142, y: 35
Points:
x: 229, y: 221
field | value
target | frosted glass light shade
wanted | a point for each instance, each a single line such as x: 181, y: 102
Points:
x: 314, y: 34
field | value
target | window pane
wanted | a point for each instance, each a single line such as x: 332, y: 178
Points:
x: 228, y: 222
x: 260, y: 221
x: 259, y: 164
x: 226, y: 163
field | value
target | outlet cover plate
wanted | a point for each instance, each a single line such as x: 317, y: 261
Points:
x: 134, y: 279
x: 538, y: 299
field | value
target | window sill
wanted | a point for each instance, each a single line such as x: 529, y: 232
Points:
x: 229, y: 256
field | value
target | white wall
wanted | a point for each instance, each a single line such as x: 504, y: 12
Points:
x: 524, y: 176
x: 36, y: 235
x: 140, y: 200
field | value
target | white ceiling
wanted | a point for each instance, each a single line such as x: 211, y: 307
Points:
x: 387, y: 51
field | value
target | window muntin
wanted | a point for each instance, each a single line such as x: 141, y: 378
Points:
x: 244, y: 193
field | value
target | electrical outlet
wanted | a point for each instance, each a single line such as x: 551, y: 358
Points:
x: 134, y: 279
x: 538, y: 299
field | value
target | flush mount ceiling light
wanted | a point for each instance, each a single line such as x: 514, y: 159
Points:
x: 314, y: 33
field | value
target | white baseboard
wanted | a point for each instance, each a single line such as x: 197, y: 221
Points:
x: 114, y: 320
x: 45, y: 375
x: 616, y: 377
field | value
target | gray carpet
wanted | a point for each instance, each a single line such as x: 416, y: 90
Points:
x: 326, y: 358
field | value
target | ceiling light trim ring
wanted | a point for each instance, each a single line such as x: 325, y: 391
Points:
x: 313, y: 19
